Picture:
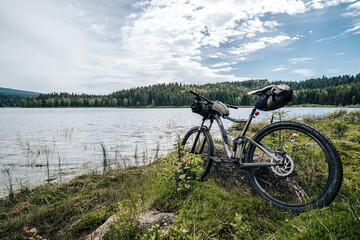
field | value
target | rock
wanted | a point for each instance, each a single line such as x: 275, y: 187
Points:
x: 146, y: 220
x: 99, y: 233
x: 151, y: 218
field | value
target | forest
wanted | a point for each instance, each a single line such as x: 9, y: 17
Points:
x: 333, y: 91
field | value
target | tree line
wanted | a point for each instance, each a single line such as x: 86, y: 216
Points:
x: 339, y: 91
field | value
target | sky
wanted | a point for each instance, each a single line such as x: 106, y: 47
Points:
x: 98, y: 47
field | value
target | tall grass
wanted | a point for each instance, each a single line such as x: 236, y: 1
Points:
x: 6, y: 171
x: 105, y: 158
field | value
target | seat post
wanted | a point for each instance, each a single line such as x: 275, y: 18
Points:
x: 252, y: 115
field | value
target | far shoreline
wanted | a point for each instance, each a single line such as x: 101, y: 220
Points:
x: 162, y: 107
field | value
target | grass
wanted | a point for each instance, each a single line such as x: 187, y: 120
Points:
x: 205, y: 210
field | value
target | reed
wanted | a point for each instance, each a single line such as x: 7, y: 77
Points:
x: 6, y: 171
x: 136, y: 156
x: 105, y: 158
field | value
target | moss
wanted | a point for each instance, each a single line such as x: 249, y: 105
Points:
x: 212, y: 210
x: 330, y: 223
x: 169, y: 201
x: 89, y: 222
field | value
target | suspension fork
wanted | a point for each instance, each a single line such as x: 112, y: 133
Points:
x: 198, y: 135
x: 204, y: 142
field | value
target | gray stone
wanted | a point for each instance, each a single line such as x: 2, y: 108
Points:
x: 151, y: 218
x: 99, y: 233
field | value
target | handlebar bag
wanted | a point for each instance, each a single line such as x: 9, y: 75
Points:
x: 275, y: 98
x: 221, y: 108
x: 200, y: 108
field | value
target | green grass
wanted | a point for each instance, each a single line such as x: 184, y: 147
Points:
x: 205, y: 210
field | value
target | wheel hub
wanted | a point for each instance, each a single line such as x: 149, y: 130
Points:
x: 286, y: 168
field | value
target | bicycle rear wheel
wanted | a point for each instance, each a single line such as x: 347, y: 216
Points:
x: 311, y: 175
x: 200, y: 142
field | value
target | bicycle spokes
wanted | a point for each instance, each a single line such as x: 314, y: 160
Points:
x: 304, y: 172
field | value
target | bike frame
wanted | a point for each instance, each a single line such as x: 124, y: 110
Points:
x: 241, y: 141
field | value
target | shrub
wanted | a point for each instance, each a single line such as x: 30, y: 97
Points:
x: 126, y: 224
x: 178, y: 179
x: 339, y: 128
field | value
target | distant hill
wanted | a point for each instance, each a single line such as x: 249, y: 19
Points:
x: 17, y: 93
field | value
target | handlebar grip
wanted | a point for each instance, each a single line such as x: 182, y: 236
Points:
x: 232, y: 106
x: 198, y: 96
x: 192, y: 92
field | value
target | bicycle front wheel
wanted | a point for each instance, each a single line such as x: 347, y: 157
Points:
x: 311, y: 174
x: 200, y: 142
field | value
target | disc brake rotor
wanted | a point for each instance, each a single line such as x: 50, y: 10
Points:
x: 286, y: 169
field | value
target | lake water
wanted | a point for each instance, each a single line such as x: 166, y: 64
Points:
x: 39, y: 145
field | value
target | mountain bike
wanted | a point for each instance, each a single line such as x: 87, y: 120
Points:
x: 290, y: 164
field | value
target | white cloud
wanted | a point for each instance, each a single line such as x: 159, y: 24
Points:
x: 220, y: 64
x: 247, y: 48
x: 41, y: 46
x: 227, y: 69
x: 304, y: 72
x: 333, y: 71
x: 320, y: 4
x: 299, y: 60
x: 353, y: 11
x: 338, y: 54
x: 277, y: 69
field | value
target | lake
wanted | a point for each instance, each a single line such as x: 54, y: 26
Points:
x: 40, y: 145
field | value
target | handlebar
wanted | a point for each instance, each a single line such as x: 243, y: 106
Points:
x: 202, y: 97
x: 209, y: 101
x: 231, y: 106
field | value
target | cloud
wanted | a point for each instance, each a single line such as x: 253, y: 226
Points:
x: 304, y: 72
x: 320, y: 4
x: 333, y: 71
x: 353, y: 11
x: 247, y: 48
x: 227, y: 69
x: 338, y: 54
x: 176, y: 34
x: 278, y: 69
x: 220, y: 64
x: 98, y: 47
x: 299, y: 60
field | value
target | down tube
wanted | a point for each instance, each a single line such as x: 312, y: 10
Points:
x: 224, y: 136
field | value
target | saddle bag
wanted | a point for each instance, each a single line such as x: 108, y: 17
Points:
x: 275, y: 98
